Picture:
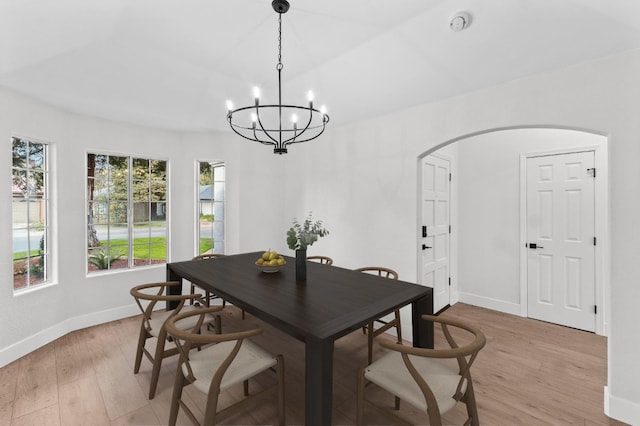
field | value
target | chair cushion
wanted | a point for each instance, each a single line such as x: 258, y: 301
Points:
x: 250, y: 360
x: 159, y: 317
x: 390, y: 373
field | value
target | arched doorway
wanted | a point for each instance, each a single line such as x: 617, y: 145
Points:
x: 488, y: 255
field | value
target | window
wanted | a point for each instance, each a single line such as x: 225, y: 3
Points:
x: 210, y: 201
x: 30, y: 214
x: 127, y: 212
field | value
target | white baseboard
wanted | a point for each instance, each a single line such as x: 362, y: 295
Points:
x: 493, y: 304
x: 621, y: 409
x: 41, y: 338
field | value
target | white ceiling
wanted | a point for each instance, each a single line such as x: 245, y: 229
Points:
x: 173, y: 63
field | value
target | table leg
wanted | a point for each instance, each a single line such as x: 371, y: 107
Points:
x: 318, y: 381
x: 172, y: 276
x: 422, y: 330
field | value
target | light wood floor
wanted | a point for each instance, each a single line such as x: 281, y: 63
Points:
x: 530, y: 373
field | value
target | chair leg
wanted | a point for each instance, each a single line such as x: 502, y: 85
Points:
x: 281, y: 408
x: 142, y: 339
x: 157, y: 363
x: 360, y: 398
x: 398, y: 327
x: 399, y: 334
x: 178, y: 384
x: 193, y: 289
x: 370, y: 341
x: 470, y: 401
x: 217, y: 325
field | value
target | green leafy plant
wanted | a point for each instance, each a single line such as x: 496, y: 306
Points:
x: 302, y: 235
x: 37, y: 269
x: 102, y: 259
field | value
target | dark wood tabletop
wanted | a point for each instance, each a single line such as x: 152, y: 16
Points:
x: 331, y: 303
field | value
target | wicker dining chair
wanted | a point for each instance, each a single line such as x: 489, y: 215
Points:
x: 208, y: 296
x: 153, y: 324
x: 224, y: 361
x: 370, y: 329
x: 431, y: 380
x: 325, y: 260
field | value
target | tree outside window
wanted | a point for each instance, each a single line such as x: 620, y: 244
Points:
x: 30, y: 214
x: 127, y: 212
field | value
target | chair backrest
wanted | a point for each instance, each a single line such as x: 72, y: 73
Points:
x: 207, y: 256
x: 379, y: 271
x: 465, y: 355
x: 186, y: 339
x: 325, y: 260
x: 154, y: 293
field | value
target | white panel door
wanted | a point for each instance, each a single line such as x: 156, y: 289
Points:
x: 560, y: 234
x: 435, y: 229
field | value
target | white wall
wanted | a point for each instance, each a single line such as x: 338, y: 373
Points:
x: 359, y: 167
x: 489, y: 209
x: 33, y: 318
x: 344, y: 177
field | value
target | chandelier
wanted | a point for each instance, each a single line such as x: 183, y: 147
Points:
x: 263, y: 123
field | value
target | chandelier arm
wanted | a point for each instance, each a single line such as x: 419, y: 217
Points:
x: 264, y: 142
x: 299, y: 132
x: 308, y: 139
x: 235, y: 128
x: 254, y: 139
x: 265, y: 131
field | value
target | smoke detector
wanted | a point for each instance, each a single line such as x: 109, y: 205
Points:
x: 460, y: 21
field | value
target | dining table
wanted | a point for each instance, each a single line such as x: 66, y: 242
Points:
x: 330, y: 303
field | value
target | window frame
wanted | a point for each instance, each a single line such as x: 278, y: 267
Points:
x: 47, y: 252
x: 130, y: 215
x: 198, y: 207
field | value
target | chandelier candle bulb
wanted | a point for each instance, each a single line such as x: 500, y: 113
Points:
x: 256, y: 93
x: 310, y: 95
x: 229, y: 106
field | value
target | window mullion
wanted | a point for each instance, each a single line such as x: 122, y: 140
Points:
x: 130, y: 232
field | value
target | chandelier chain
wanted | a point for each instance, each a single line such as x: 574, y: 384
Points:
x: 279, y: 66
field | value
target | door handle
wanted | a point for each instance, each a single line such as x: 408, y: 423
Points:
x: 535, y: 246
x: 424, y: 247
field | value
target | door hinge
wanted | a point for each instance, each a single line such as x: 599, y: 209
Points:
x: 449, y: 281
x: 595, y: 309
x: 591, y: 172
x: 449, y: 177
x: 449, y: 228
x: 594, y: 241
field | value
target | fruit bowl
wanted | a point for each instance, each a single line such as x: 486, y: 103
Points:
x: 269, y: 268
